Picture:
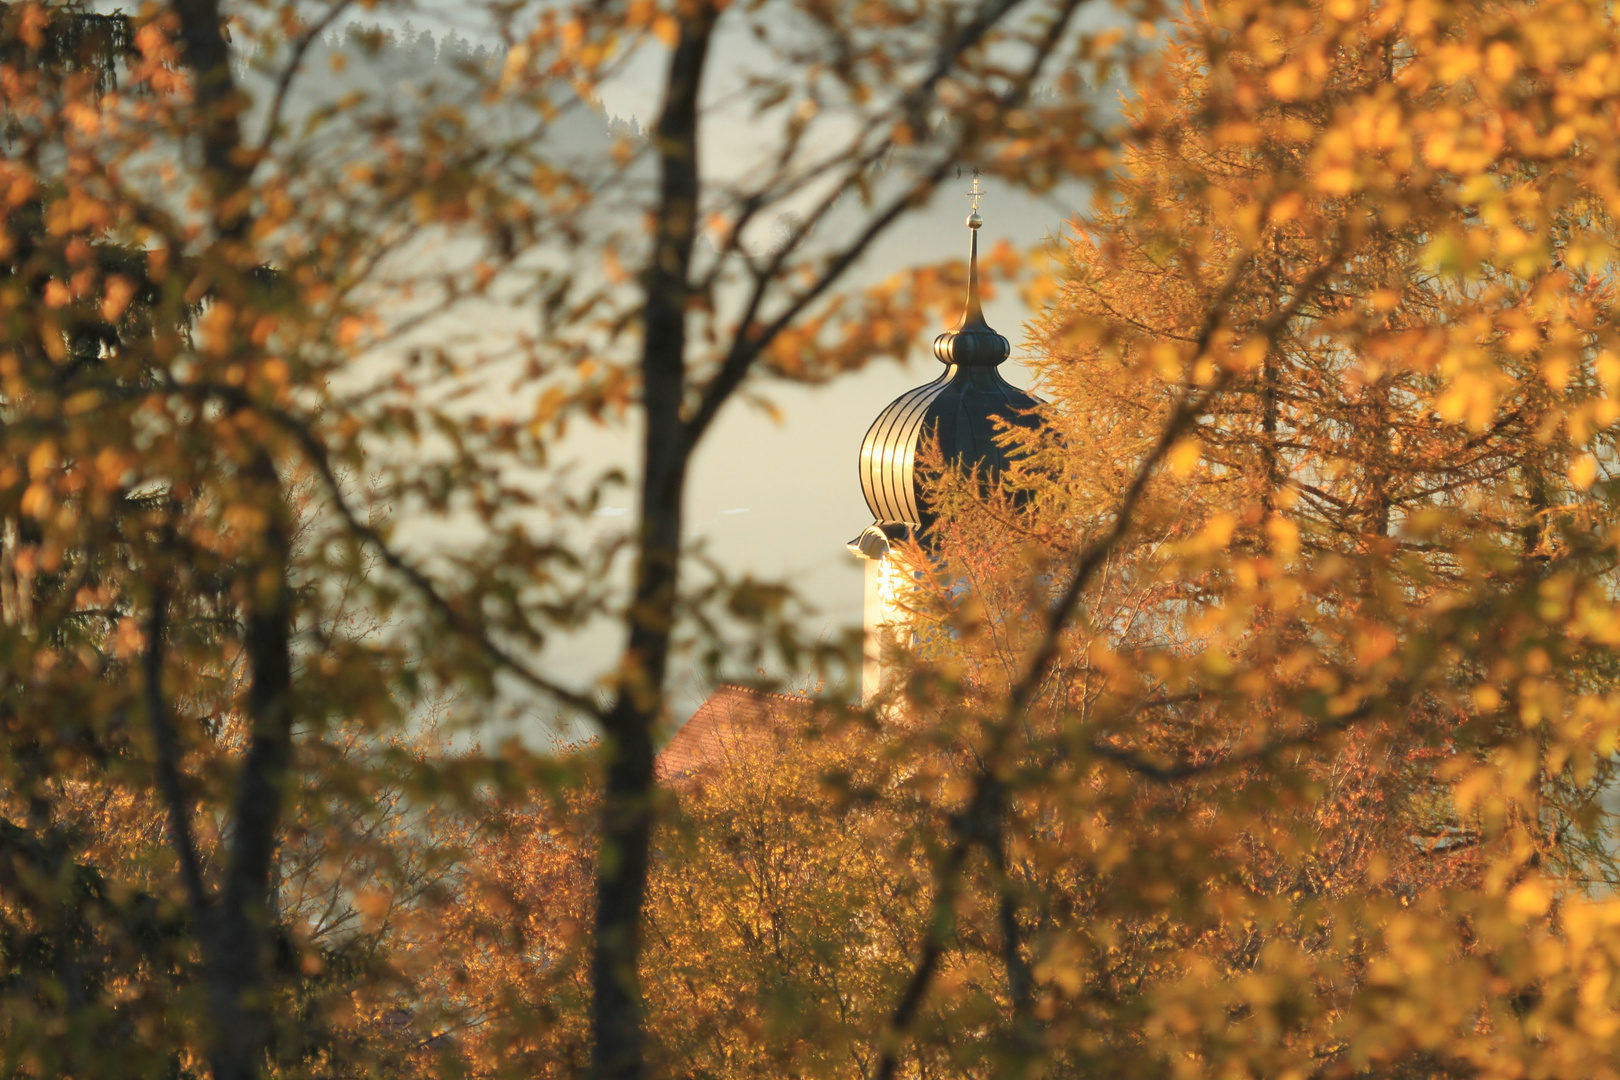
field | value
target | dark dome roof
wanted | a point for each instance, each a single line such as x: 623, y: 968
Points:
x: 961, y: 407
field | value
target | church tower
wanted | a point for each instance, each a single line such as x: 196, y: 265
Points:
x: 961, y: 408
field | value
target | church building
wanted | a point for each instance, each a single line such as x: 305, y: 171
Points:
x: 962, y: 409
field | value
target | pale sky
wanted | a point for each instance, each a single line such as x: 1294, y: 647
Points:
x: 779, y: 499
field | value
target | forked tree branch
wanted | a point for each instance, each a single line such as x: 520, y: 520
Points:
x: 317, y: 455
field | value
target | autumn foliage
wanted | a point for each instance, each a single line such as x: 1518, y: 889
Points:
x: 1260, y: 721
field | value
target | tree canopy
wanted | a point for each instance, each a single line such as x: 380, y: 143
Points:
x: 1260, y: 720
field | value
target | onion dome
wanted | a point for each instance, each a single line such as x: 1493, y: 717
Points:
x: 962, y: 407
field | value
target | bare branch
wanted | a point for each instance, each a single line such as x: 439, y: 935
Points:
x: 316, y: 453
x: 295, y: 61
x: 751, y: 341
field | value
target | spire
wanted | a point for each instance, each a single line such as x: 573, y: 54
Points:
x: 965, y: 409
x: 973, y: 314
x: 972, y: 342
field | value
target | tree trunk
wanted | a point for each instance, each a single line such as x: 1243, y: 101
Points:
x: 627, y: 804
x: 239, y: 963
x: 236, y: 938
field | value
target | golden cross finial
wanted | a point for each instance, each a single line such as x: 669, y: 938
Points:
x: 975, y: 193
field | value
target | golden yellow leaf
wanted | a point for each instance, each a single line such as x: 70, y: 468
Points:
x: 1183, y: 456
x: 1529, y: 897
x: 1583, y: 472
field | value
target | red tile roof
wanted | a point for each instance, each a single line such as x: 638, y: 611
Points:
x: 731, y: 719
